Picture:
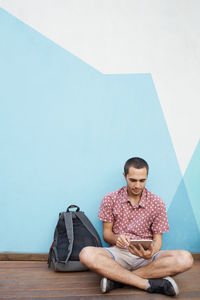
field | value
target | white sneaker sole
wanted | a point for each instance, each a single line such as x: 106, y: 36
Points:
x: 103, y: 285
x: 175, y: 286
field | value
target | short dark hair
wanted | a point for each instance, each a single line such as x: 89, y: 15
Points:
x: 135, y: 162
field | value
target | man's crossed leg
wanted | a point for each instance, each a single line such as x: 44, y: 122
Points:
x: 152, y: 277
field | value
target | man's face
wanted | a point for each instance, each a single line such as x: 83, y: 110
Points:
x: 136, y: 180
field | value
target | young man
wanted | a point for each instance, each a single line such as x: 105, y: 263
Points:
x: 133, y: 212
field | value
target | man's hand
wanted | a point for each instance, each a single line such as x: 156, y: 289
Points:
x: 146, y: 254
x: 122, y: 241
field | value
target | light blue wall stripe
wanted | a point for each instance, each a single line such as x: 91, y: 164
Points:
x: 65, y: 133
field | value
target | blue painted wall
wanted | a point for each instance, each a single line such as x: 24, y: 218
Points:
x: 65, y: 132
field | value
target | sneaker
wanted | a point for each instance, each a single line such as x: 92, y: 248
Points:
x: 108, y: 285
x: 166, y: 286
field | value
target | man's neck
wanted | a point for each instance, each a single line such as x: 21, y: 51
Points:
x: 134, y: 199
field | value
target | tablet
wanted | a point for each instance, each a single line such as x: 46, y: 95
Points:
x: 145, y: 243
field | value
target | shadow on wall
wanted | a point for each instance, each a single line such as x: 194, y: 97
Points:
x: 184, y: 211
x: 184, y: 232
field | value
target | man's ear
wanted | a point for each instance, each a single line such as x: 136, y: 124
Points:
x: 124, y: 175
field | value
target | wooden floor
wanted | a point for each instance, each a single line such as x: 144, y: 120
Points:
x: 30, y: 280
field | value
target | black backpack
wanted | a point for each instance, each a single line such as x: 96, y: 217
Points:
x: 73, y: 232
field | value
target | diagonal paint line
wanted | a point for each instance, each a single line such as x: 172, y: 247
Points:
x: 191, y: 179
x: 133, y: 37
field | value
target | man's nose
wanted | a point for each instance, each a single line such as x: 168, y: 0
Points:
x: 137, y: 184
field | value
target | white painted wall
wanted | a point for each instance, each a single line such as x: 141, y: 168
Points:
x: 161, y: 37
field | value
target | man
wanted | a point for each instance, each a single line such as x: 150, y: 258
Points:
x: 133, y: 212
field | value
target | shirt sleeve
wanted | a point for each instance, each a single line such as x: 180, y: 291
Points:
x: 106, y: 210
x: 160, y: 222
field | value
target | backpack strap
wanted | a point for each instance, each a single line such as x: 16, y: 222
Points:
x: 73, y: 206
x: 86, y: 222
x: 70, y: 231
x: 50, y: 255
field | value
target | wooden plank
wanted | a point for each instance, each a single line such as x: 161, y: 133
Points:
x: 196, y: 256
x: 23, y: 256
x: 28, y: 280
x: 9, y: 256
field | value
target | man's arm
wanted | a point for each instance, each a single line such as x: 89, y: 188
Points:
x: 156, y: 246
x: 111, y: 238
x: 157, y: 242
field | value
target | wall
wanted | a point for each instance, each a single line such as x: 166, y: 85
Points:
x: 84, y: 86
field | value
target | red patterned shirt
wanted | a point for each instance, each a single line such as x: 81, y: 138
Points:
x: 139, y: 221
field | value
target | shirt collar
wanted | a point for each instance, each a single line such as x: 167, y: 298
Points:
x: 142, y: 201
